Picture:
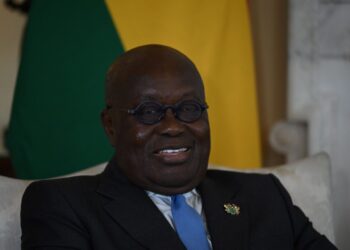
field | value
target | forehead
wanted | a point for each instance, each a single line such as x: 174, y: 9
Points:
x: 152, y: 71
x: 167, y: 87
x: 165, y: 80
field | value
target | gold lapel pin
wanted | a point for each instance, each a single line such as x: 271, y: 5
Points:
x: 232, y: 209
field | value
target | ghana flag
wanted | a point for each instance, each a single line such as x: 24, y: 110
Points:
x: 67, y: 48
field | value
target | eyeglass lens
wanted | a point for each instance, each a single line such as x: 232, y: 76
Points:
x: 152, y: 112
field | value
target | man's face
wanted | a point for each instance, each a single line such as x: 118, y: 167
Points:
x: 170, y: 156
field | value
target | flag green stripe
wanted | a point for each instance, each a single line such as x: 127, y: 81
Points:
x: 54, y: 127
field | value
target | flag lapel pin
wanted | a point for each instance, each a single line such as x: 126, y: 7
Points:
x: 232, y: 209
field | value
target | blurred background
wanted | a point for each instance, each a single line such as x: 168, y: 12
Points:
x: 276, y: 72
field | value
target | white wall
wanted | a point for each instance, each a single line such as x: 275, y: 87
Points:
x: 319, y: 91
x: 11, y: 27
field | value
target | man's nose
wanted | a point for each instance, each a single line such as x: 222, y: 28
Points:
x: 170, y: 125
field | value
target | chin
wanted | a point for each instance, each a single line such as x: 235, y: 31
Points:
x: 171, y: 185
x: 166, y: 190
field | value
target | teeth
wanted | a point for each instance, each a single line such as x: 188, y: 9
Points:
x: 172, y: 151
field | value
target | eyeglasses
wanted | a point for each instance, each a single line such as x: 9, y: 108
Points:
x: 152, y: 112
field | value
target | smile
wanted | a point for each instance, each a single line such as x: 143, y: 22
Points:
x: 173, y: 155
x: 172, y: 151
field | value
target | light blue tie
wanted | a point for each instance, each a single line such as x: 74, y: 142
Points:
x: 188, y: 224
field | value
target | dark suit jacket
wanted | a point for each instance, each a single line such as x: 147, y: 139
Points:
x: 107, y: 212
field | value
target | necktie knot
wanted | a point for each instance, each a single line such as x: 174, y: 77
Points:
x: 177, y: 201
x: 189, y: 224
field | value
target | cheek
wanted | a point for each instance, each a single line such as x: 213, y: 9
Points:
x: 202, y: 134
x: 141, y: 135
x: 133, y: 143
x: 137, y: 141
x: 201, y: 131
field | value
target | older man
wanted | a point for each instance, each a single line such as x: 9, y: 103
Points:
x: 156, y: 192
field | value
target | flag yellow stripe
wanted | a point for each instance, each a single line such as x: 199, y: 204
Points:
x: 216, y: 36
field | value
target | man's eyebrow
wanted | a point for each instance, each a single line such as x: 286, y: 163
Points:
x: 155, y: 97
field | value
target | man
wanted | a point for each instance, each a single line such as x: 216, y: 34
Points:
x: 156, y: 186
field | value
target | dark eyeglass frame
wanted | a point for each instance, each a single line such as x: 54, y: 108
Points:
x: 162, y: 110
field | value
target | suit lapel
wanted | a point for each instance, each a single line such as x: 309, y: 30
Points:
x: 227, y: 231
x: 132, y: 209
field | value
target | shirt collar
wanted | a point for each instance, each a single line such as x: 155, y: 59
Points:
x: 187, y: 195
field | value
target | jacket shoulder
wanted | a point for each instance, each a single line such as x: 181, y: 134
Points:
x: 54, y: 192
x: 252, y: 180
x: 57, y: 207
x: 68, y: 184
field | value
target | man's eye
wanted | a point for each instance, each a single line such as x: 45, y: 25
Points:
x: 149, y: 110
x: 189, y: 108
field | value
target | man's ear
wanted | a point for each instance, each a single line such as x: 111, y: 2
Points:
x: 107, y: 123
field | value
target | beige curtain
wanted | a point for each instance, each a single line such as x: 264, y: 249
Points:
x: 269, y: 25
